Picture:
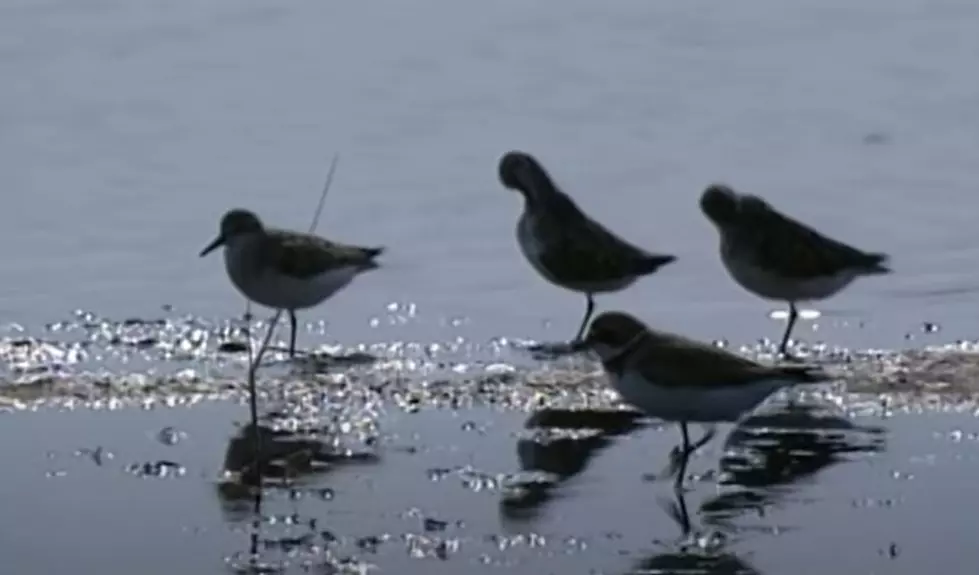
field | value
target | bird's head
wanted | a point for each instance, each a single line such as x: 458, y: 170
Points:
x: 612, y: 333
x: 234, y: 224
x: 720, y: 204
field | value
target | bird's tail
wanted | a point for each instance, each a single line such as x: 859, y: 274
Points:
x: 650, y: 263
x: 875, y: 264
x: 368, y: 261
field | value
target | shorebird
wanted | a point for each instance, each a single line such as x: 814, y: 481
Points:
x: 677, y: 379
x: 564, y: 245
x: 778, y: 258
x: 283, y: 269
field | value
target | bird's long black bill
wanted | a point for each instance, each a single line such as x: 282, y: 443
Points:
x: 578, y: 346
x: 218, y: 242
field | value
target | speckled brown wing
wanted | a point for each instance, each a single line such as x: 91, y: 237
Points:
x: 579, y: 249
x: 774, y: 241
x: 303, y: 256
x: 672, y: 360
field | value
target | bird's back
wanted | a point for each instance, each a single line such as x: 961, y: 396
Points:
x: 579, y: 252
x: 770, y: 240
x: 674, y: 360
x: 303, y: 256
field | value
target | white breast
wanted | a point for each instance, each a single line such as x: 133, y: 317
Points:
x: 694, y: 404
x: 266, y: 287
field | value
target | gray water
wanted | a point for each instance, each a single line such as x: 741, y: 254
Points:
x: 880, y: 496
x: 128, y: 128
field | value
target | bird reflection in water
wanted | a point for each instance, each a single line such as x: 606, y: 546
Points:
x: 286, y: 462
x: 696, y: 552
x: 686, y: 562
x: 561, y: 458
x: 766, y: 455
x: 769, y: 453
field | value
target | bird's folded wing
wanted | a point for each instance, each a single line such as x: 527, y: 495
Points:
x: 776, y: 242
x: 579, y: 249
x: 670, y: 360
x: 305, y: 256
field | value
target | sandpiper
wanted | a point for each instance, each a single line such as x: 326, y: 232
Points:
x: 563, y: 244
x: 677, y: 379
x: 778, y: 258
x: 283, y: 269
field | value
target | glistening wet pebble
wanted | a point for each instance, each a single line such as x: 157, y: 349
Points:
x: 93, y: 361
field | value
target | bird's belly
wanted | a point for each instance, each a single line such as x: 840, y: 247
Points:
x: 280, y: 291
x: 694, y: 404
x: 533, y: 251
x: 771, y: 285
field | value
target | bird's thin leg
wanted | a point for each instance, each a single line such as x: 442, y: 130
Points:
x: 589, y: 308
x: 684, y: 456
x: 683, y: 515
x: 680, y: 456
x: 292, y: 333
x: 677, y: 510
x: 793, y: 315
x: 709, y: 434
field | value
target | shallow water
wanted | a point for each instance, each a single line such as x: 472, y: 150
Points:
x: 129, y: 127
x: 799, y: 491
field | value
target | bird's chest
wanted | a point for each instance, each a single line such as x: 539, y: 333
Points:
x: 242, y: 261
x: 771, y: 283
x: 715, y: 403
x: 529, y: 238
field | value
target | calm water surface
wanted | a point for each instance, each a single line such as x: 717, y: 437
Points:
x: 128, y: 128
x: 808, y: 496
